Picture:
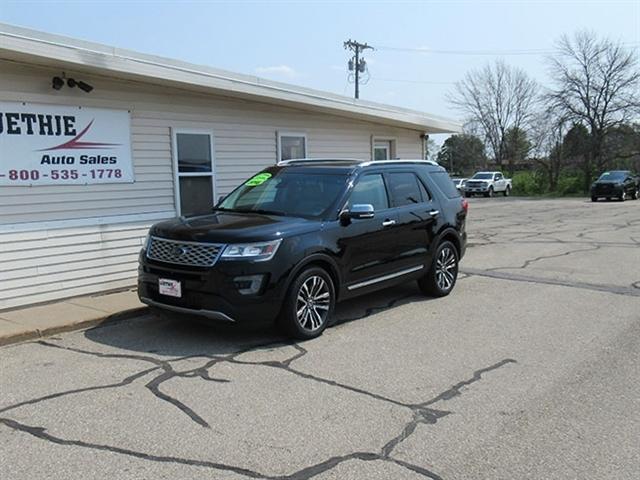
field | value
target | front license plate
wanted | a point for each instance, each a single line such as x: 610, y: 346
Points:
x: 171, y: 288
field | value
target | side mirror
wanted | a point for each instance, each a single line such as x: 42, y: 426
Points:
x: 221, y: 198
x: 358, y: 211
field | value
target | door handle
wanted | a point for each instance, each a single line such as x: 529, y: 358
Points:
x: 388, y: 223
x: 434, y: 213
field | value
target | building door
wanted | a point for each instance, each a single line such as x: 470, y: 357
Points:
x: 194, y: 172
x: 382, y: 150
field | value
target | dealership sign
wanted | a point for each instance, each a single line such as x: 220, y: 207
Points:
x: 56, y: 145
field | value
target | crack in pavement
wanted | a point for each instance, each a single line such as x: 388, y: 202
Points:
x: 618, y: 290
x: 527, y: 263
x: 422, y: 414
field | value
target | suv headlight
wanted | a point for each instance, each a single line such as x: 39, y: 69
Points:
x: 145, y: 245
x: 261, y: 251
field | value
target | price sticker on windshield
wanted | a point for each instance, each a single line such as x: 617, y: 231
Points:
x: 258, y: 179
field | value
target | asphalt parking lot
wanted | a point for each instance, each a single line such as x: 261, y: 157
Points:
x: 529, y: 369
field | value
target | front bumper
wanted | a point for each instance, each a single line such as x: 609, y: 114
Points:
x: 606, y: 191
x: 211, y: 292
x: 477, y: 189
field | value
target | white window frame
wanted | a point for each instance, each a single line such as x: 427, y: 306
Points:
x: 176, y: 172
x: 285, y: 133
x: 393, y: 146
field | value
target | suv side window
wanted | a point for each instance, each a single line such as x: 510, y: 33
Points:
x: 405, y: 189
x: 370, y: 190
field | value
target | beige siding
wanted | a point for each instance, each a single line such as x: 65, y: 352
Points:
x: 54, y: 241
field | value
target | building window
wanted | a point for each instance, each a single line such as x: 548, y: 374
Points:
x: 383, y: 149
x: 291, y: 145
x: 193, y: 164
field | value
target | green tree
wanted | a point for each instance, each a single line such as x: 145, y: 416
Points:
x: 516, y: 147
x: 462, y: 154
x: 622, y: 147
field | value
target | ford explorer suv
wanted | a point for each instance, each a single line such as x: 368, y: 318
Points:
x: 296, y: 238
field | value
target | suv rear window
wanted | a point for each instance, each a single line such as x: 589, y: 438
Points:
x: 445, y: 184
x: 405, y: 189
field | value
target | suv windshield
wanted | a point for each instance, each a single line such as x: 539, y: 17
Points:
x: 483, y: 176
x: 285, y: 192
x: 614, y: 176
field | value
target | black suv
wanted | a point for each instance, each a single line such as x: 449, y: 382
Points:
x: 297, y: 237
x: 620, y: 184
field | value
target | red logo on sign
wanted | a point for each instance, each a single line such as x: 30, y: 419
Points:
x: 76, y: 144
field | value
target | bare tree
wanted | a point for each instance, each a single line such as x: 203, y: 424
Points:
x: 597, y: 84
x: 547, y: 143
x: 496, y: 99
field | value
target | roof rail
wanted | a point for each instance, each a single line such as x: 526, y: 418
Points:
x: 398, y: 160
x: 356, y: 161
x: 311, y: 160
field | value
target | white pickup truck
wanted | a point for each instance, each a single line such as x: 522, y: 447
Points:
x: 487, y: 184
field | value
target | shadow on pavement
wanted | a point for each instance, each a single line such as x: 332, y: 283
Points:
x: 179, y: 336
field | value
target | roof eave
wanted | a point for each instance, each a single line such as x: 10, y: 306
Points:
x: 46, y: 49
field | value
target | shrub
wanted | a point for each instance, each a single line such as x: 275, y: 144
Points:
x: 529, y: 183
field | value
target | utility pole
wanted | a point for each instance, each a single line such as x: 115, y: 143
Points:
x: 356, y: 63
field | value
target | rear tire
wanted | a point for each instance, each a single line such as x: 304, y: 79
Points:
x: 309, y: 304
x: 443, y: 273
x: 594, y: 199
x: 634, y: 195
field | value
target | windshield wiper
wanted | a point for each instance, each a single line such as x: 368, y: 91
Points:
x: 244, y: 210
x: 264, y: 212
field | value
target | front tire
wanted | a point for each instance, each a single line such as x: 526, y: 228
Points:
x: 623, y: 196
x: 507, y: 191
x: 594, y: 199
x: 309, y: 304
x: 489, y: 193
x: 443, y: 273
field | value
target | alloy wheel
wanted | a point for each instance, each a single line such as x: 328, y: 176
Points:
x: 313, y: 303
x: 446, y: 265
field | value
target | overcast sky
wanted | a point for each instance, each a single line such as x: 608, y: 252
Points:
x: 422, y: 48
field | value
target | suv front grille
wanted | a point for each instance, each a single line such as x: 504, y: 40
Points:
x: 184, y: 253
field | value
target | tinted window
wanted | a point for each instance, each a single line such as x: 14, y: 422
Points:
x: 444, y: 183
x: 370, y: 190
x: 404, y: 189
x: 616, y: 176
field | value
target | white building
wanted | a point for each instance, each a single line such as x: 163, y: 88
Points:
x: 84, y: 173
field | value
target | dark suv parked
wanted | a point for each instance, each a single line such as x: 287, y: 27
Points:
x: 297, y: 237
x: 620, y: 184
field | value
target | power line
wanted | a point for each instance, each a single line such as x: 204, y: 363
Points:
x: 535, y: 51
x: 427, y: 82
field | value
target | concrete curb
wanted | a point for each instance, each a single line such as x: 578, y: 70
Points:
x: 80, y: 325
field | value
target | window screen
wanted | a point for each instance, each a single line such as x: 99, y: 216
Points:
x: 292, y: 146
x: 193, y: 153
